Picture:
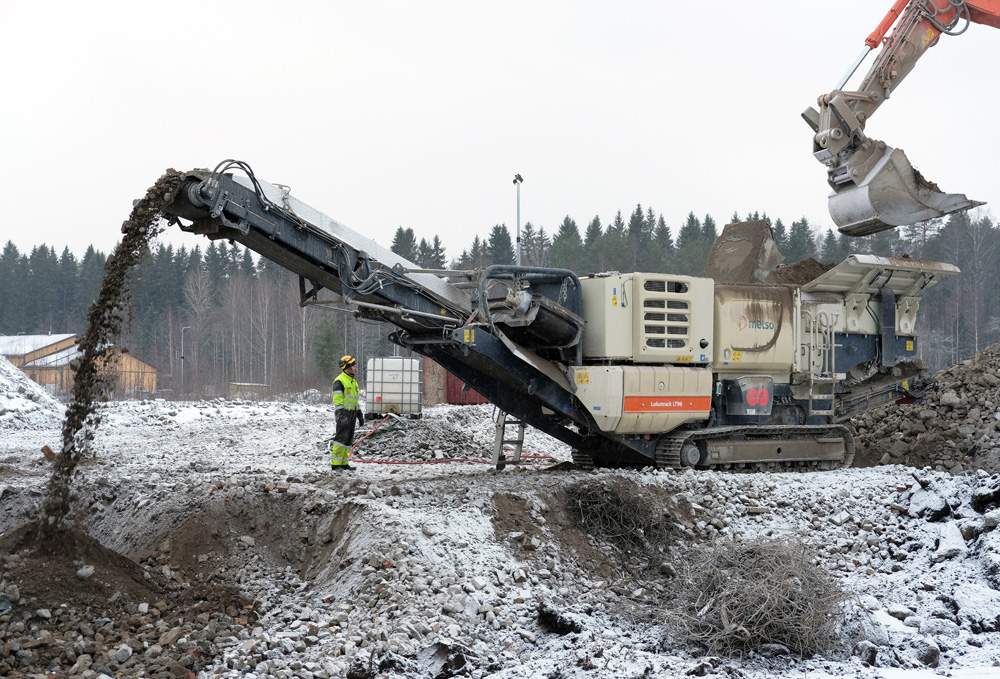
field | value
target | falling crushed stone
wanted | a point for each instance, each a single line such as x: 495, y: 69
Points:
x: 104, y: 323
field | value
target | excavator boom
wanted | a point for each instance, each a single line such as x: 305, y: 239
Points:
x: 874, y: 185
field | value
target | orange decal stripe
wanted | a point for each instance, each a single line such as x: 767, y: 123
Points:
x: 667, y: 404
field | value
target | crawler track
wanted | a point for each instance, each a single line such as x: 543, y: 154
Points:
x: 781, y: 448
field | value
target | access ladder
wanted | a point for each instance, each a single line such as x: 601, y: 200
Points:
x: 501, y: 440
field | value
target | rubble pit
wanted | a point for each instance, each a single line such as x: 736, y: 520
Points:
x: 241, y: 554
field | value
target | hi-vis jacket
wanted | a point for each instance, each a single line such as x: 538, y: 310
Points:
x: 345, y: 393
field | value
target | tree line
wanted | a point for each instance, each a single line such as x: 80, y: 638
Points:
x: 205, y: 320
x: 643, y: 242
x: 959, y: 317
x: 237, y: 319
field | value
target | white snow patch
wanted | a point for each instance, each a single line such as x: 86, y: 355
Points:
x: 24, y: 405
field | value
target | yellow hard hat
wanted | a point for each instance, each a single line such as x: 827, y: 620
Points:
x: 346, y: 362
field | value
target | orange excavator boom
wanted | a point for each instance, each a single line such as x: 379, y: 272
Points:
x: 874, y: 186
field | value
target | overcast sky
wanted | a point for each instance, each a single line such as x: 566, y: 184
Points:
x: 418, y: 114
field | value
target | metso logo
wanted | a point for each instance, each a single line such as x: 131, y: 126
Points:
x: 743, y: 323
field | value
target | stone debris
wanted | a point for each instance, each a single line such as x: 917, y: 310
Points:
x: 954, y: 427
x: 413, y: 571
x: 403, y: 591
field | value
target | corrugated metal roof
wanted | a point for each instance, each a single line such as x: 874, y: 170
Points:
x: 56, y: 360
x: 19, y: 345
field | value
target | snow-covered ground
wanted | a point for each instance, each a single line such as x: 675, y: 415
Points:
x: 411, y: 565
x: 23, y: 403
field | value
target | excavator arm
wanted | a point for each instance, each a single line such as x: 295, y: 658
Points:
x: 874, y: 186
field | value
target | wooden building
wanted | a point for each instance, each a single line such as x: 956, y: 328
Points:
x: 48, y: 360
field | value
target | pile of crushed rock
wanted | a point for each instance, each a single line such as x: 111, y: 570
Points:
x: 954, y: 427
x: 463, y: 575
x: 452, y: 433
x: 85, y: 610
x: 23, y: 403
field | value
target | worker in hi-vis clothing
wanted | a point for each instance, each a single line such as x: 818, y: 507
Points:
x: 345, y: 404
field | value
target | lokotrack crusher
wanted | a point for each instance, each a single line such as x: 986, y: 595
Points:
x: 629, y: 369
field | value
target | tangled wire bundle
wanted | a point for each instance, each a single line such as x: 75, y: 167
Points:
x: 618, y: 510
x: 740, y: 596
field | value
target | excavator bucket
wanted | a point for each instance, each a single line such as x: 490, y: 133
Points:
x: 892, y: 194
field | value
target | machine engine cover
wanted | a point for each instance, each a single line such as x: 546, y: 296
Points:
x: 644, y: 399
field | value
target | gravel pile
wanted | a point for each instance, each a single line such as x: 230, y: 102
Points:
x: 954, y: 427
x: 87, y: 611
x: 456, y: 570
x: 24, y: 404
x: 214, y: 541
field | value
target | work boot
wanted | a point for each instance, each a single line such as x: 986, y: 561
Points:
x: 341, y: 467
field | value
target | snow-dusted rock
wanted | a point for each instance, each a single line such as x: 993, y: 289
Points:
x: 978, y: 607
x: 950, y: 543
x: 928, y: 504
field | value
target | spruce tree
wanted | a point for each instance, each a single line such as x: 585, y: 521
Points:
x: 780, y: 235
x: 424, y: 254
x: 327, y: 348
x: 21, y: 318
x: 830, y: 253
x: 247, y: 266
x: 567, y: 246
x: 692, y: 249
x: 477, y: 254
x: 66, y: 287
x: 689, y: 233
x: 800, y: 242
x: 437, y: 259
x: 591, y: 242
x: 543, y: 248
x: 43, y: 266
x: 215, y: 264
x: 404, y: 244
x: 91, y: 278
x: 637, y: 236
x: 708, y: 230
x: 528, y: 244
x: 12, y: 290
x: 499, y: 248
x: 661, y: 258
x: 613, y: 255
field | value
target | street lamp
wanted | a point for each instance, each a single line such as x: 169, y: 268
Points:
x: 186, y: 327
x: 517, y: 183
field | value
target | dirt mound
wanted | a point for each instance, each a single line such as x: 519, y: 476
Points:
x: 69, y: 604
x: 45, y: 571
x: 798, y: 273
x: 953, y: 427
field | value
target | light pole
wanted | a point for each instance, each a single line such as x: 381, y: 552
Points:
x: 517, y: 183
x: 186, y: 327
